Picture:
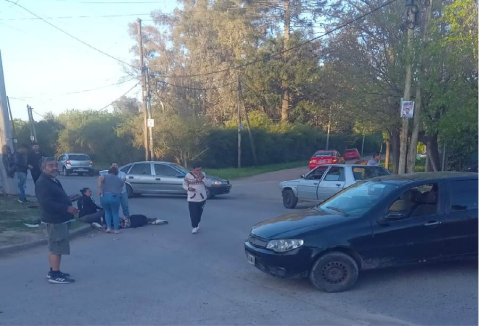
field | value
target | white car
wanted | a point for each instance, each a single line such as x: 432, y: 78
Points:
x: 325, y: 181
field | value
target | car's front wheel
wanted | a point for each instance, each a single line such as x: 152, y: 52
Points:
x: 65, y: 171
x: 289, y: 199
x: 334, y: 272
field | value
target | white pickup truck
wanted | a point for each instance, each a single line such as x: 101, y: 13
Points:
x: 325, y: 181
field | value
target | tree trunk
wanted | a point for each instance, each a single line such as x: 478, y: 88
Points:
x: 411, y: 162
x: 388, y: 154
x: 433, y: 151
x: 395, y: 145
x: 285, y: 79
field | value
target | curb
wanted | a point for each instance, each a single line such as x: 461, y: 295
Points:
x: 5, y: 251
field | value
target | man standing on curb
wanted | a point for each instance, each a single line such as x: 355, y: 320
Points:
x: 21, y: 170
x: 124, y: 194
x: 196, y: 183
x: 34, y: 161
x: 57, y: 210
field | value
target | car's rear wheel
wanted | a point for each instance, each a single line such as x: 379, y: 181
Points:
x: 289, y: 199
x: 334, y: 272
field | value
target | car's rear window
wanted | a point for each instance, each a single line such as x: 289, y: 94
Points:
x: 78, y: 157
x: 351, y: 150
x: 323, y: 154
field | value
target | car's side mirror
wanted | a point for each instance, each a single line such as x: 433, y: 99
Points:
x: 302, y: 176
x: 392, y: 215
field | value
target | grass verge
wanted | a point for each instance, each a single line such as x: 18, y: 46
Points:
x: 235, y: 173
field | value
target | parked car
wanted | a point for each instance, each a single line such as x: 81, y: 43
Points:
x: 388, y: 221
x: 352, y: 154
x: 158, y: 177
x: 325, y: 157
x: 79, y: 163
x: 324, y: 181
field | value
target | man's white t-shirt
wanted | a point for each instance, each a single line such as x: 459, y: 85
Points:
x: 122, y: 176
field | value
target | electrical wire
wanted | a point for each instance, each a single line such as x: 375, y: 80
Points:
x: 74, y: 17
x: 119, y: 97
x: 72, y: 36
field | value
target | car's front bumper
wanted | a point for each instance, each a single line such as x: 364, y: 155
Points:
x: 293, y: 264
x: 220, y: 189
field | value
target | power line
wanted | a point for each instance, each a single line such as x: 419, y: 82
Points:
x: 74, y: 17
x: 72, y: 36
x: 119, y: 97
x: 289, y: 49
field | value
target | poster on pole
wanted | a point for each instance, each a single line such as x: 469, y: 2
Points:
x: 150, y: 123
x: 407, y: 109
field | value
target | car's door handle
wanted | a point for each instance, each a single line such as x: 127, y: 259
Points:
x: 432, y: 223
x: 131, y: 177
x: 338, y: 185
x: 315, y: 183
x: 158, y: 179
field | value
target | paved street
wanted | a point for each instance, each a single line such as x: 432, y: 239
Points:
x: 159, y: 275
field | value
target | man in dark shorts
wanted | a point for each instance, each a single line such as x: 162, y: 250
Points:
x: 56, y: 213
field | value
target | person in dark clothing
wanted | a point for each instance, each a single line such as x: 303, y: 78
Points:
x: 21, y: 170
x: 34, y: 161
x: 56, y: 213
x: 90, y: 212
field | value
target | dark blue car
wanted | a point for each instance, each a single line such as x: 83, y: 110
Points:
x: 387, y: 221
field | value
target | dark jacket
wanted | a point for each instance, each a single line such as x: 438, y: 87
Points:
x: 20, y: 160
x: 87, y: 206
x: 53, y: 200
x: 34, y: 159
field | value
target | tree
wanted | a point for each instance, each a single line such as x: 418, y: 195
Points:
x: 126, y: 106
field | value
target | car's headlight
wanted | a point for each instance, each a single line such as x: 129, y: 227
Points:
x: 284, y: 245
x: 217, y: 182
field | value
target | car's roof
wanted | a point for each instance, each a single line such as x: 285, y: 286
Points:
x: 355, y: 149
x: 157, y: 162
x: 349, y: 165
x: 426, y: 176
x: 83, y: 154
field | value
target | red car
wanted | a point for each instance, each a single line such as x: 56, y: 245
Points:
x: 325, y: 157
x: 351, y: 154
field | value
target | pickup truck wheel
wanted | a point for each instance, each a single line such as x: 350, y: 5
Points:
x: 334, y: 272
x: 289, y: 199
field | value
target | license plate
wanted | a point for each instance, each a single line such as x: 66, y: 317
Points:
x: 81, y: 169
x: 322, y: 161
x: 251, y: 259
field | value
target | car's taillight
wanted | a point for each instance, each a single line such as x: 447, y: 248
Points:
x: 335, y: 160
x: 69, y: 162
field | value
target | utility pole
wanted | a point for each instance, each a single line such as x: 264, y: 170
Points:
x: 285, y: 80
x: 148, y: 106
x: 33, y: 132
x: 251, y: 140
x: 411, y: 23
x: 240, y: 126
x: 411, y: 160
x: 143, y: 92
x: 14, y: 133
x: 364, y: 138
x: 7, y: 185
x: 329, y: 129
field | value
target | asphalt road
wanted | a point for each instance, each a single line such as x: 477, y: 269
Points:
x: 164, y: 275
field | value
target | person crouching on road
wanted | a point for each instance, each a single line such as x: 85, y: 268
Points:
x: 90, y: 212
x: 109, y: 188
x: 56, y: 212
x: 196, y: 183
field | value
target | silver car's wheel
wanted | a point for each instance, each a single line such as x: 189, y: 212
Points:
x: 129, y: 191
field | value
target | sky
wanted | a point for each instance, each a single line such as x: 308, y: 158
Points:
x: 50, y: 71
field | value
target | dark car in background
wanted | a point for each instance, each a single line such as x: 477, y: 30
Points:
x: 160, y: 177
x: 384, y: 222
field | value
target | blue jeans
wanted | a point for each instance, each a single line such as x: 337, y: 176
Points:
x: 124, y: 204
x: 22, y: 184
x: 111, y: 204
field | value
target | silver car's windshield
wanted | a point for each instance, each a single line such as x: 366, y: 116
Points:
x: 358, y: 198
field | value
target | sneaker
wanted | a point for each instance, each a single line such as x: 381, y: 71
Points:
x: 49, y: 274
x: 96, y: 225
x: 195, y: 230
x: 21, y: 201
x: 60, y: 279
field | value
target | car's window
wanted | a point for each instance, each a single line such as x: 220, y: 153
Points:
x: 464, y: 195
x: 141, y: 169
x: 358, y: 198
x: 362, y: 173
x: 418, y: 201
x: 61, y: 158
x: 317, y: 173
x: 335, y: 174
x: 125, y: 169
x: 180, y: 168
x: 79, y: 157
x: 164, y: 170
x: 324, y: 154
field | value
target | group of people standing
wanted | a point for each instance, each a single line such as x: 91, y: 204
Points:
x: 24, y: 160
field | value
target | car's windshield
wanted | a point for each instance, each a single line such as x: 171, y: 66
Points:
x: 358, y: 198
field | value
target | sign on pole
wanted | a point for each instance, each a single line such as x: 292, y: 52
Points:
x: 151, y: 123
x: 407, y: 109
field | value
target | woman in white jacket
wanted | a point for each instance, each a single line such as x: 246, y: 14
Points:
x: 196, y: 183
